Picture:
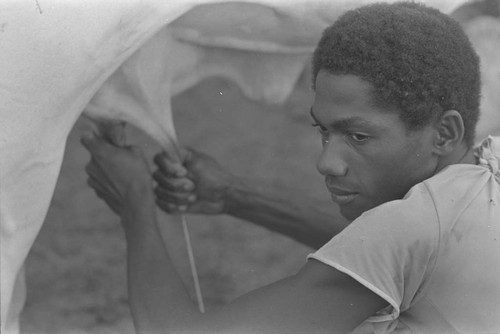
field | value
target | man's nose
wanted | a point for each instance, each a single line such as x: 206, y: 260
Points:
x: 332, y: 160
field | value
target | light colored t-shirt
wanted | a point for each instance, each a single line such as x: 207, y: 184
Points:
x: 434, y: 256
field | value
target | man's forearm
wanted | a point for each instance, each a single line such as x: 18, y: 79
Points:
x: 158, y: 299
x: 310, y: 221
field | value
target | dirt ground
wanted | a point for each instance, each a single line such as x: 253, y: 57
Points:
x: 76, y: 268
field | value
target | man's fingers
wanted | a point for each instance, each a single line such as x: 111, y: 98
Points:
x: 99, y: 180
x: 94, y: 143
x: 171, y: 208
x: 102, y: 190
x: 103, y: 194
x: 92, y: 169
x: 113, y: 132
x: 172, y: 183
x: 169, y: 165
x: 191, y: 208
x: 92, y: 183
x: 88, y: 139
x: 178, y: 198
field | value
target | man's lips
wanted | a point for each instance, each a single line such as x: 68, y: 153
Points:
x: 342, y: 196
x: 343, y: 199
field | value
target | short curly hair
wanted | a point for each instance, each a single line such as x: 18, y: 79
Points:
x: 416, y: 58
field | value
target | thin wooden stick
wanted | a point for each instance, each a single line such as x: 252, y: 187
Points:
x: 192, y: 263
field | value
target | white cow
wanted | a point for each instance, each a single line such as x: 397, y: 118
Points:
x: 135, y: 54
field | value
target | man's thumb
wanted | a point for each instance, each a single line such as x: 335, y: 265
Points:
x: 91, y: 141
x: 113, y: 132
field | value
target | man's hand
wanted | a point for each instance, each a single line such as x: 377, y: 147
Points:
x: 119, y: 175
x: 197, y: 184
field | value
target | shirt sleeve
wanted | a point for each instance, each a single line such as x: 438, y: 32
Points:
x: 390, y: 249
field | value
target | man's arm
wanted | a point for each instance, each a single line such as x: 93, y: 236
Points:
x: 286, y: 211
x: 317, y: 299
x: 200, y: 185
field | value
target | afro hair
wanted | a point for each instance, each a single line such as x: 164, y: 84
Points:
x: 417, y: 59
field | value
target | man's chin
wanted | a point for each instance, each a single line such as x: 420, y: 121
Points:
x: 349, y: 214
x: 352, y: 211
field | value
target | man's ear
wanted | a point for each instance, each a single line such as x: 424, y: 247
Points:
x: 449, y: 132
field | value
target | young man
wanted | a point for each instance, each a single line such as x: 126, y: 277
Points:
x: 397, y: 94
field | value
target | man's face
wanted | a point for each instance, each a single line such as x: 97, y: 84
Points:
x: 368, y: 157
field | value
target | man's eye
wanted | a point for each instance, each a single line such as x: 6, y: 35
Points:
x: 358, y: 137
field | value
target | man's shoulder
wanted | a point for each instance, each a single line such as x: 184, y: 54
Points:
x: 465, y: 173
x: 415, y: 214
x: 456, y: 184
x: 452, y: 188
x: 458, y: 189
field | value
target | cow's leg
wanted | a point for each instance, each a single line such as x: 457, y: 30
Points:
x: 13, y: 285
x: 28, y: 173
x: 17, y: 303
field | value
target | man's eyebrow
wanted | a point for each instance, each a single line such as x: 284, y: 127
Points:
x: 351, y: 122
x: 348, y: 123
